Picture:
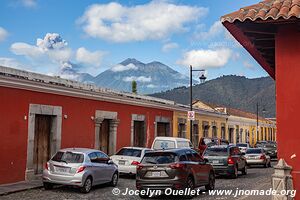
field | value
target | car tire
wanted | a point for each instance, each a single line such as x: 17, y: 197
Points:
x: 47, y: 186
x: 114, y: 179
x: 87, y: 186
x: 266, y: 165
x: 211, y: 182
x: 190, y: 184
x: 244, y: 170
x: 235, y: 173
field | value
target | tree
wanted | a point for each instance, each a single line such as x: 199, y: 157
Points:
x: 134, y: 87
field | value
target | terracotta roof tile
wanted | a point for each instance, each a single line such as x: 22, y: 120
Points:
x: 268, y: 9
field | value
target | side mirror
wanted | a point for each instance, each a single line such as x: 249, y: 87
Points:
x: 243, y: 153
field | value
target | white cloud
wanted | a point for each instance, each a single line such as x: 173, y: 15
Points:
x: 10, y: 62
x: 216, y: 29
x: 206, y: 58
x: 20, y: 48
x: 143, y: 79
x: 248, y: 65
x: 155, y: 20
x: 3, y: 34
x: 120, y: 68
x: 87, y: 57
x: 151, y: 86
x: 52, y: 46
x: 169, y: 46
x: 29, y: 3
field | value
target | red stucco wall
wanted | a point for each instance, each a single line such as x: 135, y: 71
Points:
x: 78, y: 130
x: 288, y: 98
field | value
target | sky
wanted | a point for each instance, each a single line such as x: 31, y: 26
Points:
x: 46, y: 36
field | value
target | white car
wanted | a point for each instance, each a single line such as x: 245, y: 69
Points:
x: 127, y: 159
x: 243, y: 147
x: 171, y: 143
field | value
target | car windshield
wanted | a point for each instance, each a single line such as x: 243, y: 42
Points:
x: 164, y: 144
x: 159, y: 158
x: 253, y: 151
x: 216, y: 152
x: 241, y: 145
x: 68, y: 157
x: 130, y: 152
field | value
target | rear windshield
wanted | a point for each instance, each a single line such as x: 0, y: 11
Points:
x: 68, y: 157
x: 253, y: 151
x: 159, y: 158
x: 164, y: 144
x: 241, y: 145
x: 130, y: 152
x: 183, y: 144
x: 216, y: 152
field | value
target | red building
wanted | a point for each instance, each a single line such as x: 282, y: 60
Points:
x: 41, y: 114
x: 270, y: 31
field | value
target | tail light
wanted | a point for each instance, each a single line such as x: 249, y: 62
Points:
x: 46, y: 166
x: 262, y: 157
x: 139, y: 166
x: 230, y: 161
x: 80, y: 169
x: 177, y: 166
x: 135, y: 163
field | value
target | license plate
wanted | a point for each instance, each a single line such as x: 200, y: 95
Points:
x: 215, y: 161
x: 121, y: 162
x: 156, y: 174
x: 62, y: 169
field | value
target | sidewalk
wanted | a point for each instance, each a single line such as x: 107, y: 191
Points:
x: 19, y: 186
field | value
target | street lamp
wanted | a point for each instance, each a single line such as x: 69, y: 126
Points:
x: 202, y: 80
x: 264, y: 111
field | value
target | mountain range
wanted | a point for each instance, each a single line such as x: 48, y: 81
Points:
x: 232, y: 91
x: 150, y: 77
x: 159, y: 80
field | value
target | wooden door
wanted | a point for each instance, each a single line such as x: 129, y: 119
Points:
x: 42, y: 133
x: 104, y: 136
x: 161, y: 129
x: 139, y: 133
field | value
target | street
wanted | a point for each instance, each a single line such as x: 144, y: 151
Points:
x: 258, y: 178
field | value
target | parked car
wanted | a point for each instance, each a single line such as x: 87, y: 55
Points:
x: 243, y: 147
x: 80, y: 167
x: 226, y: 160
x: 127, y: 158
x: 260, y: 144
x: 257, y: 156
x: 171, y: 143
x: 174, y: 168
x: 208, y: 142
x: 270, y: 147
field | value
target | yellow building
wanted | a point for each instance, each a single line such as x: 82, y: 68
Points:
x: 208, y: 123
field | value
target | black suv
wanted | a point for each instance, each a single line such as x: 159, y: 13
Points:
x: 226, y: 160
x: 174, y: 168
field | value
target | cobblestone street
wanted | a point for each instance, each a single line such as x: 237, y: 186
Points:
x: 258, y: 178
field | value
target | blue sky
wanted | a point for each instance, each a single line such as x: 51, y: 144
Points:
x: 97, y: 35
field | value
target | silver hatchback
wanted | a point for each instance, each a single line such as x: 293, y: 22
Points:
x: 80, y: 167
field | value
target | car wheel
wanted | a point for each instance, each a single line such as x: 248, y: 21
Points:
x: 211, y: 183
x: 235, y: 172
x: 114, y: 179
x: 190, y: 184
x: 266, y: 164
x: 47, y: 186
x: 244, y: 170
x: 87, y: 186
